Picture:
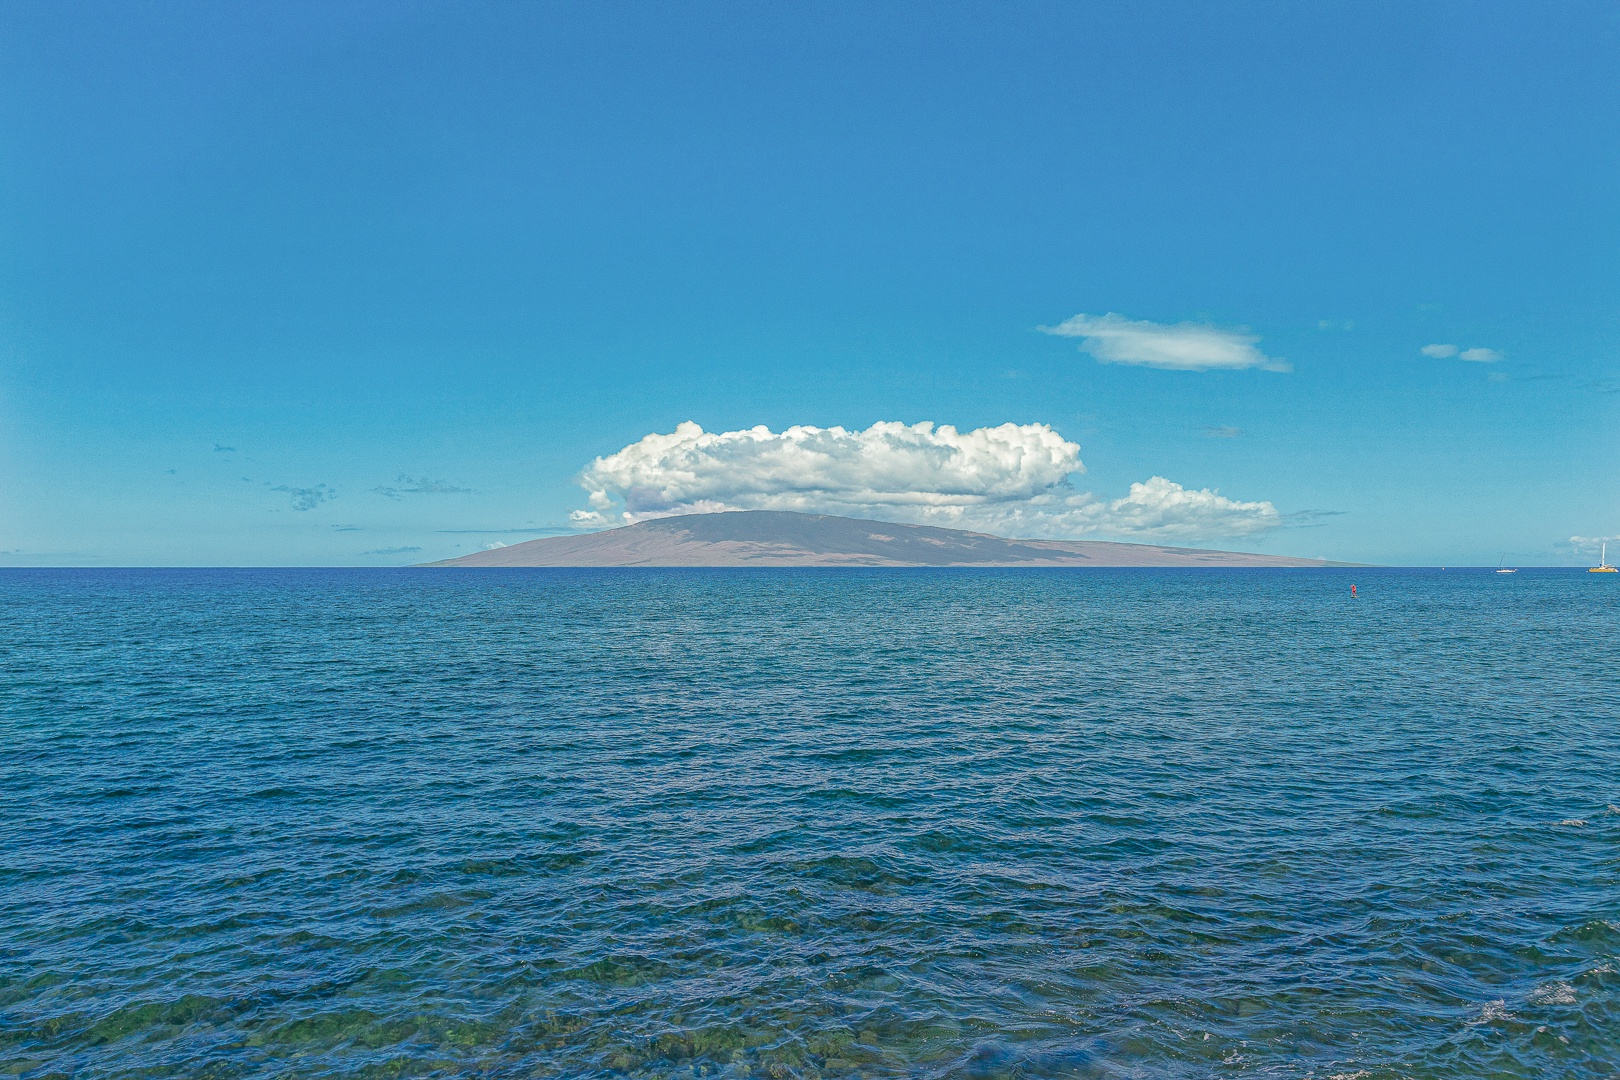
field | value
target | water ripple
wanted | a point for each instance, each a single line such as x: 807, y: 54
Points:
x: 809, y: 824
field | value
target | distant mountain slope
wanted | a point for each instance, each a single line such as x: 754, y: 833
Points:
x: 776, y: 538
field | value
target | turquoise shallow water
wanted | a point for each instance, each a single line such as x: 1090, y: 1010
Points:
x: 809, y: 824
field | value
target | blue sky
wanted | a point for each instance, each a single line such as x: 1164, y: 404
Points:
x: 376, y: 283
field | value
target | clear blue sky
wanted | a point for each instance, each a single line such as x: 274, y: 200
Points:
x: 413, y: 267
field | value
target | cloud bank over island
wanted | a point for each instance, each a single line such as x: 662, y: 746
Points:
x: 1114, y: 339
x: 1013, y: 480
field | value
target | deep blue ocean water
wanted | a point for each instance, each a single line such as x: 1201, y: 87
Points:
x: 829, y: 823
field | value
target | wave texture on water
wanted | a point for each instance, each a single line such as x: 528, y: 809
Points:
x: 828, y: 823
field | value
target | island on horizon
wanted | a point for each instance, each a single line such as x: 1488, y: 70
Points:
x: 784, y: 538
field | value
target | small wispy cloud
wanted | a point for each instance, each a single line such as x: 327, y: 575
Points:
x: 1591, y: 543
x: 346, y: 528
x: 218, y: 449
x: 1601, y: 386
x: 1114, y: 339
x: 1477, y: 355
x: 410, y: 485
x: 528, y: 530
x: 307, y: 498
x: 1310, y: 519
x: 1222, y: 432
x: 391, y: 551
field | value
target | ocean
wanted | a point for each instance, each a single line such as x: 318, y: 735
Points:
x: 819, y: 823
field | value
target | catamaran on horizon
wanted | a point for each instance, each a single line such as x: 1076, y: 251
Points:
x: 1603, y: 566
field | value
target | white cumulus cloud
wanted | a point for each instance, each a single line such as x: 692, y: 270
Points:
x: 1013, y: 479
x: 1114, y: 339
x: 1439, y: 352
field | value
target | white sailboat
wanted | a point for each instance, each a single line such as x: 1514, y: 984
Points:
x: 1603, y: 566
